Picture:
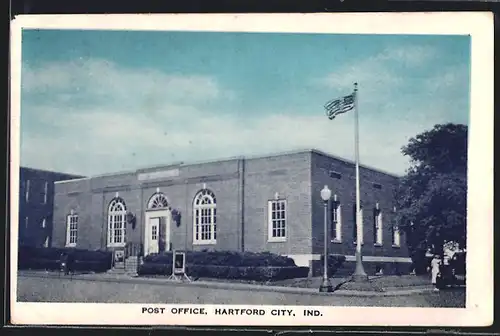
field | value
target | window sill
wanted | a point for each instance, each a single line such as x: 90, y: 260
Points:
x: 276, y: 240
x: 396, y: 246
x: 378, y: 245
x: 116, y: 245
x: 204, y: 242
x: 336, y: 241
x: 71, y: 245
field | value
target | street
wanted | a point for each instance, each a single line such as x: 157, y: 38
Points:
x: 40, y: 289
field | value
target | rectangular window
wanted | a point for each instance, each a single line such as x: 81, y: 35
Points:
x: 45, y: 192
x: 396, y: 238
x: 336, y: 223
x: 377, y: 227
x: 27, y: 191
x: 356, y: 222
x: 44, y: 223
x: 277, y: 220
x: 154, y: 232
x: 72, y: 230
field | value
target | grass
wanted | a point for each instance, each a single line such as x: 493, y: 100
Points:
x: 375, y: 283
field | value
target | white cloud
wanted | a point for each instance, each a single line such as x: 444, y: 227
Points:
x: 101, y: 78
x: 376, y: 75
x: 98, y: 141
x: 410, y: 55
x: 165, y: 119
x: 448, y: 79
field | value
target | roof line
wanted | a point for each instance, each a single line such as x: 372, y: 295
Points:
x: 50, y: 171
x: 234, y: 158
x: 353, y: 162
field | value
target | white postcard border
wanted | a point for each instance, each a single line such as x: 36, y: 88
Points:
x: 479, y: 305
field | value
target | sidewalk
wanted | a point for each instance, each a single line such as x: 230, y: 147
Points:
x: 123, y: 278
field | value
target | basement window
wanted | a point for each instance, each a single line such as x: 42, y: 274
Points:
x: 377, y: 185
x: 334, y: 174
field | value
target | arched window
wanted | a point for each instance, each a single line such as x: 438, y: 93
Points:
x: 117, y: 213
x: 205, y: 217
x: 158, y: 201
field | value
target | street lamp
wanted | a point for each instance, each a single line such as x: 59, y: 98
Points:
x: 326, y: 194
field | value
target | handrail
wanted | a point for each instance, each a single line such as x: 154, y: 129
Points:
x: 132, y: 249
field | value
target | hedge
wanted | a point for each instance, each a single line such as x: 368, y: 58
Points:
x: 225, y: 258
x: 420, y: 262
x: 335, y: 262
x: 50, y: 258
x: 257, y: 273
x: 262, y: 266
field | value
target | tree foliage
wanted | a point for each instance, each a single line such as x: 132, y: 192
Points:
x: 431, y: 198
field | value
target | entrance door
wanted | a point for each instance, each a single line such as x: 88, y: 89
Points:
x: 157, y: 231
x: 154, y: 234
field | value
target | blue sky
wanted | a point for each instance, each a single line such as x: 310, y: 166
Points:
x: 97, y: 102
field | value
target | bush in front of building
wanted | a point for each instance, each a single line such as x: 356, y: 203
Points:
x: 255, y: 273
x: 39, y: 258
x: 420, y: 262
x: 262, y: 266
x: 335, y: 262
x: 225, y: 258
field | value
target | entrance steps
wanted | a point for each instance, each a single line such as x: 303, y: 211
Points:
x: 129, y: 266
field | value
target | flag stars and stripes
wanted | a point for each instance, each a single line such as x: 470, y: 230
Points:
x: 338, y: 106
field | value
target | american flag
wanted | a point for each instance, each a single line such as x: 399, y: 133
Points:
x: 338, y: 106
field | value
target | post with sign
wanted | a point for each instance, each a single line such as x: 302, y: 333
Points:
x: 179, y: 267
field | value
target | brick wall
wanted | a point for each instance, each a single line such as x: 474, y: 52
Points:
x: 340, y: 178
x: 39, y: 206
x: 90, y: 199
x: 242, y: 188
x: 73, y: 196
x: 289, y: 176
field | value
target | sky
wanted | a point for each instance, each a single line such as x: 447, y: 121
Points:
x: 96, y: 102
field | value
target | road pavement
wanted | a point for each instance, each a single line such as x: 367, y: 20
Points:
x: 39, y: 289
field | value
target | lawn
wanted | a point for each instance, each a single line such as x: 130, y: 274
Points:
x: 375, y: 283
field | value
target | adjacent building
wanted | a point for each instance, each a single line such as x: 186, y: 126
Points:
x: 36, y: 204
x: 267, y: 203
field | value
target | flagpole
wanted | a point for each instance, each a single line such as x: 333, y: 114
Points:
x: 359, y: 273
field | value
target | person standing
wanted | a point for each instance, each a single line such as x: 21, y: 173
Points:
x: 435, y: 268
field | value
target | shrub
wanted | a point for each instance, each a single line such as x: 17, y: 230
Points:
x: 335, y: 262
x: 49, y: 259
x: 260, y: 266
x: 225, y: 258
x: 420, y: 262
x: 256, y: 273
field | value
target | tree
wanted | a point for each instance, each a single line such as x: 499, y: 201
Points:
x: 432, y: 197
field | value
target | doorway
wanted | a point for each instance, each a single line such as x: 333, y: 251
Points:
x: 157, y: 232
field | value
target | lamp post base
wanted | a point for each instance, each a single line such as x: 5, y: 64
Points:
x: 359, y: 274
x: 359, y: 277
x: 326, y: 286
